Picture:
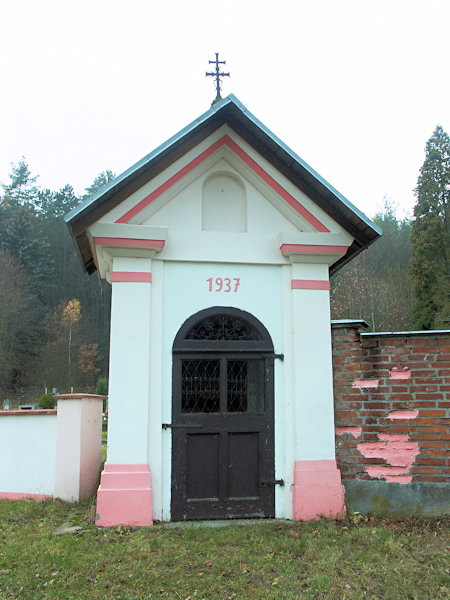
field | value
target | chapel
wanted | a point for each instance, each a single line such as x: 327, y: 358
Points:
x: 219, y: 246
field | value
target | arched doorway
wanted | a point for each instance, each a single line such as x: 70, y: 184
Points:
x: 222, y: 417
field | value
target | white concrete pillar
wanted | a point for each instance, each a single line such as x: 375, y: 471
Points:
x: 129, y: 360
x: 313, y: 365
x: 124, y: 496
x: 78, y: 445
x: 317, y: 488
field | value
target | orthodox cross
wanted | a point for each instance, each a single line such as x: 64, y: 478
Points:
x: 218, y: 75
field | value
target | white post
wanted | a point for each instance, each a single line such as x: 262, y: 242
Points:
x: 317, y: 487
x: 124, y: 496
x: 78, y: 445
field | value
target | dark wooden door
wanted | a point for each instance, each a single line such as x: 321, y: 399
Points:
x: 222, y: 430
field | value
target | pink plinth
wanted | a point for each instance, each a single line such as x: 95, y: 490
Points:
x: 317, y: 490
x: 124, y: 496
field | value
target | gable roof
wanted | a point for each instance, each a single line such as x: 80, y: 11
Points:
x: 231, y: 112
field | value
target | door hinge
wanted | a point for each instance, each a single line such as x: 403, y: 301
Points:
x: 180, y: 425
x: 273, y: 482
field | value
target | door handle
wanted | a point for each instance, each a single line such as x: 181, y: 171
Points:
x: 279, y: 482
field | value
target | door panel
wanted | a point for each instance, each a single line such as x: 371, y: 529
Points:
x: 243, y: 465
x: 222, y: 421
x: 202, y: 457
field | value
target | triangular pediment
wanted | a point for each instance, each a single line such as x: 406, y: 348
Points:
x: 167, y: 189
x: 175, y: 196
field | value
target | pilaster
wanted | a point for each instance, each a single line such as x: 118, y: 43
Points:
x: 125, y: 494
x: 317, y: 488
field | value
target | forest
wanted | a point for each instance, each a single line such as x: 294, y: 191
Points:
x: 54, y: 318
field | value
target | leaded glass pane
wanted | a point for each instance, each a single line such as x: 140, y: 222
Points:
x: 237, y: 386
x: 223, y: 327
x: 200, y: 391
x: 245, y: 386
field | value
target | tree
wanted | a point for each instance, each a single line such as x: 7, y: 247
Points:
x: 430, y: 235
x: 375, y: 285
x: 62, y: 341
x: 21, y: 189
x: 56, y: 204
x: 99, y: 182
x: 20, y: 316
x: 21, y: 234
x: 88, y: 359
x: 21, y: 238
x: 35, y: 240
x: 71, y: 314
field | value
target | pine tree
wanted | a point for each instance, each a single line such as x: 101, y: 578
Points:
x: 53, y: 205
x: 21, y: 189
x: 20, y: 319
x: 430, y: 235
x: 21, y: 233
x: 98, y: 184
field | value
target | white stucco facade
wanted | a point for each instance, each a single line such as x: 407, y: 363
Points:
x: 171, y: 249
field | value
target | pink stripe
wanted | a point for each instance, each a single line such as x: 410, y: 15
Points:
x: 276, y: 186
x: 128, y: 242
x: 22, y: 496
x: 227, y: 141
x: 170, y: 182
x: 309, y: 284
x: 312, y: 249
x: 131, y: 276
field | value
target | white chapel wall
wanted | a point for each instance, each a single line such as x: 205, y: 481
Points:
x: 204, y: 249
x: 186, y: 291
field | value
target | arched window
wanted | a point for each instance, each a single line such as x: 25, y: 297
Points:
x: 222, y: 348
x: 222, y: 328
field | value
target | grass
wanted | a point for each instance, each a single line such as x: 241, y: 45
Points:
x: 366, y: 558
x: 104, y: 446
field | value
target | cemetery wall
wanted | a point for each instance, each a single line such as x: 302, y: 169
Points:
x: 391, y: 393
x: 52, y: 453
x: 27, y: 450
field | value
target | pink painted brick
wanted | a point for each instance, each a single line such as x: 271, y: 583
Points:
x: 365, y: 383
x: 403, y: 414
x: 397, y: 374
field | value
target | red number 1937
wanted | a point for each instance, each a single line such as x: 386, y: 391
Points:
x: 223, y: 284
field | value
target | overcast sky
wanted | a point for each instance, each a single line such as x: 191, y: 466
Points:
x: 355, y: 87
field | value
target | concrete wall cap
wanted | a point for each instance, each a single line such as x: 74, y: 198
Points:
x: 349, y: 324
x: 79, y: 396
x: 407, y: 333
x: 22, y: 413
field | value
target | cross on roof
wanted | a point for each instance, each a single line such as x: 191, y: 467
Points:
x: 218, y: 75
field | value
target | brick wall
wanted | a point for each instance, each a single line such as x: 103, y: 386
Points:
x: 392, y: 395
